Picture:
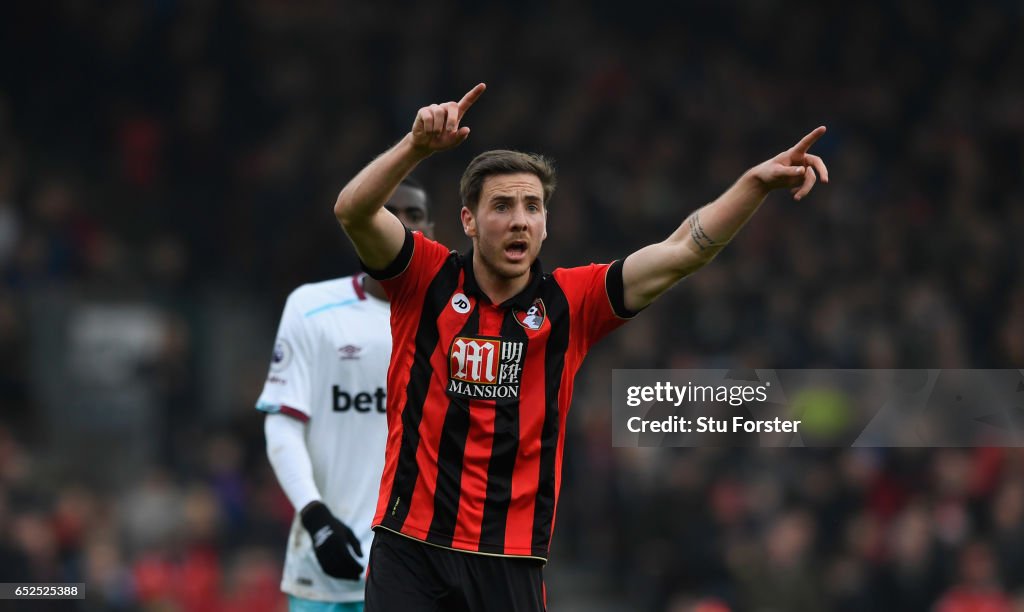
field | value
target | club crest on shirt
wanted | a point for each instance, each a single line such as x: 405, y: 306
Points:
x: 533, y: 317
x: 486, y: 368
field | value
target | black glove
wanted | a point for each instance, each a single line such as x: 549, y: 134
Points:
x: 331, y: 539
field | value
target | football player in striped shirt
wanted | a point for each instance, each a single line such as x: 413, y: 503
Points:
x: 486, y: 346
x: 326, y: 424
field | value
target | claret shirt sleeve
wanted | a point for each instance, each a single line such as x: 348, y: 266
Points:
x: 596, y: 298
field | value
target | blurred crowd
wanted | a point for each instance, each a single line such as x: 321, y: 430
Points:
x: 207, y: 539
x: 180, y: 159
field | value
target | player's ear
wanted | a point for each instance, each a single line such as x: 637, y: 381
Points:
x: 468, y: 222
x: 545, y: 234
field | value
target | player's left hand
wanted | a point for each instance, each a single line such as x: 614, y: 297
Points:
x: 333, y: 542
x: 794, y: 168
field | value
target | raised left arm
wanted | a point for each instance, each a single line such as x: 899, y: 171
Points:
x: 652, y: 270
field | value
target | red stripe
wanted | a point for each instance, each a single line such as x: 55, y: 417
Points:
x: 295, y: 413
x: 477, y: 456
x: 421, y: 506
x: 526, y: 476
x: 357, y: 284
x: 476, y: 459
x: 407, y: 292
x: 394, y: 444
x: 572, y: 364
x: 403, y: 334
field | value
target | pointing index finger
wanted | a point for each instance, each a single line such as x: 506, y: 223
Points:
x: 470, y: 98
x: 806, y: 142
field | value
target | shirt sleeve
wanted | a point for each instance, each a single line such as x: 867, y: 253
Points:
x: 409, y: 275
x: 287, y: 388
x: 289, y: 458
x: 596, y: 298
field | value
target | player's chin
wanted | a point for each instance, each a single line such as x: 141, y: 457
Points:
x: 516, y: 268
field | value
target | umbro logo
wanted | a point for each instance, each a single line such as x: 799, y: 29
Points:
x: 349, y: 351
x: 321, y: 536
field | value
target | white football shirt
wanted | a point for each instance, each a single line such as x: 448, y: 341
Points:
x: 330, y: 366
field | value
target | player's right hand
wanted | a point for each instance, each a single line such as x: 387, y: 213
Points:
x: 436, y: 127
x: 331, y: 542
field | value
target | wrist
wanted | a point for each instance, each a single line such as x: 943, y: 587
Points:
x: 751, y: 181
x: 413, y: 152
x: 314, y: 515
x: 312, y: 503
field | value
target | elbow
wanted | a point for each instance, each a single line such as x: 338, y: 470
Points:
x: 351, y: 211
x: 343, y: 208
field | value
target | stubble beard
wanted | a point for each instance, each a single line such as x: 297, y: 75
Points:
x: 498, y: 270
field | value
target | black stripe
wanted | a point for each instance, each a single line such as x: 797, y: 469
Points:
x: 554, y: 363
x: 450, y: 452
x: 616, y: 291
x: 397, y: 266
x: 504, y: 449
x: 434, y: 301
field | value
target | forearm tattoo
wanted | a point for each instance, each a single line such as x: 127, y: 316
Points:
x: 699, y: 236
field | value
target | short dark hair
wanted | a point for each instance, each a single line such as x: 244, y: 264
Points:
x: 504, y: 162
x: 412, y: 183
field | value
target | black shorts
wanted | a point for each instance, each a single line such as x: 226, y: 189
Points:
x: 406, y: 575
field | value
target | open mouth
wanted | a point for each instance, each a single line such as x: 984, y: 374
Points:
x: 516, y: 250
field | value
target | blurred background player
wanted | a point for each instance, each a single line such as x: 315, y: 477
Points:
x: 326, y: 424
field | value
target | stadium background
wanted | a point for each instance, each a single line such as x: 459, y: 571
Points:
x: 167, y: 170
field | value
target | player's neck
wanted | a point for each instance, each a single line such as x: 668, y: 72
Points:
x: 374, y: 288
x: 497, y: 288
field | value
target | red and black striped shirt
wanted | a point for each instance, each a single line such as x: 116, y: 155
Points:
x: 478, y: 395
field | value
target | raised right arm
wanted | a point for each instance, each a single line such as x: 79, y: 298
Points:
x: 376, y: 233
